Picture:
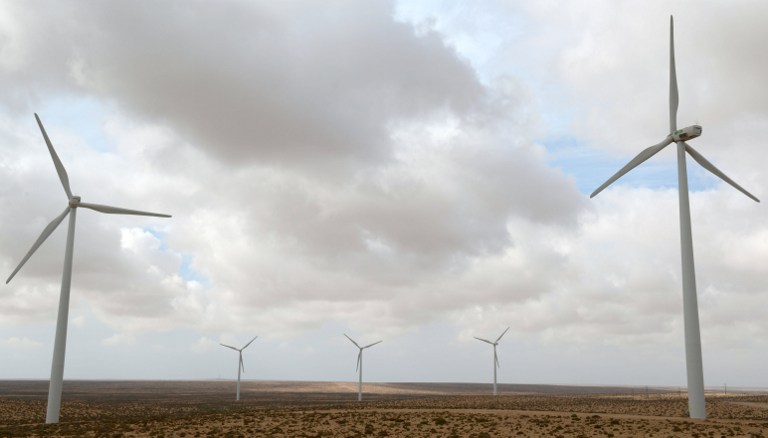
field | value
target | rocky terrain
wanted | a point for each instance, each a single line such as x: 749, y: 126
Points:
x: 315, y: 409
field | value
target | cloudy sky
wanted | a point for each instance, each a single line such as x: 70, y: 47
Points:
x: 417, y: 172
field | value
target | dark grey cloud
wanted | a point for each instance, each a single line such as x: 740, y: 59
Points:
x: 291, y: 84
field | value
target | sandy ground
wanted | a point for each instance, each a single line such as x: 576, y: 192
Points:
x: 314, y: 409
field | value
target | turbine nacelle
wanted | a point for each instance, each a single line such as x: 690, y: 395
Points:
x: 686, y: 133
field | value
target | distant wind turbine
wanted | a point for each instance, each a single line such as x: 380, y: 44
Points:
x: 695, y: 372
x: 240, y: 366
x: 359, y: 367
x: 60, y: 343
x: 495, y: 356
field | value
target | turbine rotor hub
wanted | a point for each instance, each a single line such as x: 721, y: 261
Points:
x: 74, y: 201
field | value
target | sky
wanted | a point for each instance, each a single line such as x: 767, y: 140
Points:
x: 416, y: 172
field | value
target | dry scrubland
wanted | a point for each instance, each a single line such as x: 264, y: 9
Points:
x: 294, y: 409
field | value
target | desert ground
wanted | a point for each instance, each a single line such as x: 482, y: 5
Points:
x: 331, y: 409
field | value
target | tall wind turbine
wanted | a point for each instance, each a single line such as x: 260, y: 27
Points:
x: 60, y: 343
x: 695, y: 373
x: 359, y: 367
x: 495, y: 356
x: 240, y: 366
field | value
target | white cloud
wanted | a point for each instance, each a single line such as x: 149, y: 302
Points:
x: 78, y: 321
x: 118, y: 339
x: 23, y: 343
x: 334, y: 168
x: 204, y: 345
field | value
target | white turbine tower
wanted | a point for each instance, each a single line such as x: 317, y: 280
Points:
x: 695, y: 373
x: 240, y: 366
x: 359, y: 367
x: 495, y: 356
x: 60, y: 342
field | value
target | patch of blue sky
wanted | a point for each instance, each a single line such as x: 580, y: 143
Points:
x: 188, y: 273
x: 477, y: 32
x: 81, y: 115
x: 591, y: 167
x: 159, y: 235
x: 557, y: 122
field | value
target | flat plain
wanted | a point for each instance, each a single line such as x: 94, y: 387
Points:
x: 331, y: 409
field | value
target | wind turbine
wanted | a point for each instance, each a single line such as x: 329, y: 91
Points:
x: 495, y: 356
x: 359, y: 367
x: 60, y: 343
x: 695, y: 373
x: 240, y: 366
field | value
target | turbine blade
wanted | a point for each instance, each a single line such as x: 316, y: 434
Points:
x: 44, y: 235
x: 371, y: 345
x: 484, y: 340
x: 502, y: 334
x: 673, y: 96
x: 639, y: 159
x: 353, y: 341
x: 229, y: 346
x: 496, y: 358
x: 56, y: 161
x: 242, y: 367
x: 117, y: 210
x: 249, y: 343
x: 711, y: 167
x: 359, y: 359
